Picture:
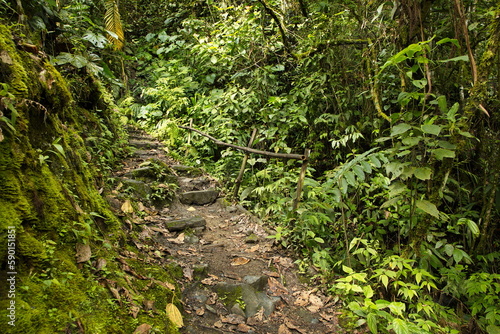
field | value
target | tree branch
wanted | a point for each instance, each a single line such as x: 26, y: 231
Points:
x: 247, y: 149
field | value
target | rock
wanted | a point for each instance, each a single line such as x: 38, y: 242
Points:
x: 267, y: 302
x: 144, y: 144
x: 200, y: 271
x: 199, y: 197
x: 191, y: 239
x: 190, y: 184
x: 114, y: 203
x: 182, y: 224
x: 142, y: 173
x: 236, y: 309
x: 259, y: 283
x: 187, y: 170
x: 140, y: 189
x: 252, y: 239
x: 231, y: 293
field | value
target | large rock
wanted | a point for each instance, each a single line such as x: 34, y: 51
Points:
x: 182, y: 224
x: 249, y: 294
x: 199, y: 197
x: 140, y: 190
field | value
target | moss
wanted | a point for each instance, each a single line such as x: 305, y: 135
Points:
x: 50, y: 202
x: 16, y: 74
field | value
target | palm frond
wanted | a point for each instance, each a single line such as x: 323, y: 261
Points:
x: 113, y: 24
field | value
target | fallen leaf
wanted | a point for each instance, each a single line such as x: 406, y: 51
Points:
x: 239, y: 261
x: 218, y: 324
x: 143, y: 329
x: 271, y: 273
x: 244, y: 328
x: 179, y: 240
x: 174, y: 315
x: 127, y: 207
x: 316, y: 303
x: 191, y: 209
x: 116, y: 294
x: 253, y: 249
x: 276, y: 287
x: 148, y: 304
x: 101, y: 263
x: 83, y: 253
x: 233, y: 319
x: 200, y: 311
x: 167, y: 285
x: 134, y: 311
x: 257, y: 318
x: 303, y: 299
x: 283, y: 330
x: 188, y: 273
x: 141, y: 206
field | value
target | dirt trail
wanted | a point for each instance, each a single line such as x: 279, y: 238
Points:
x: 234, y: 279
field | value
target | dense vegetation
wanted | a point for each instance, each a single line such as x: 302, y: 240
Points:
x: 397, y: 100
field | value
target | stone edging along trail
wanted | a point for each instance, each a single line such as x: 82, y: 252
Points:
x: 233, y: 279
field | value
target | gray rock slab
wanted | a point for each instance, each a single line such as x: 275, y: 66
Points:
x: 199, y: 197
x: 183, y: 224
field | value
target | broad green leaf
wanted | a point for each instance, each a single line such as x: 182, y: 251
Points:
x: 399, y: 129
x: 411, y: 141
x: 400, y: 326
x: 428, y: 207
x: 473, y: 228
x: 443, y: 105
x: 371, y: 320
x: 351, y: 179
x: 385, y: 280
x: 423, y: 173
x: 419, y: 83
x: 375, y: 161
x: 432, y: 129
x: 448, y: 40
x: 447, y: 145
x: 448, y: 249
x: 390, y: 202
x: 368, y: 291
x: 442, y: 153
x: 397, y: 188
x: 358, y: 170
x: 347, y: 269
x: 459, y: 58
x: 458, y: 255
x: 450, y: 115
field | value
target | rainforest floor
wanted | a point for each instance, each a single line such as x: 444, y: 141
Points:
x: 234, y: 278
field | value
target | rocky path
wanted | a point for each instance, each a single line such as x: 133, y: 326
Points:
x: 234, y: 280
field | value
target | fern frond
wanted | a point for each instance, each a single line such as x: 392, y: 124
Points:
x: 113, y: 24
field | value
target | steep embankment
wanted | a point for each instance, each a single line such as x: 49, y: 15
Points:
x: 59, y: 239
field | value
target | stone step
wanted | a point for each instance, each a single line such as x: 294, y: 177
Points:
x: 199, y: 197
x: 144, y: 144
x: 185, y: 223
x: 188, y: 171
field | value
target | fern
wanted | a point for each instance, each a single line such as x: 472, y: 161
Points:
x: 113, y: 24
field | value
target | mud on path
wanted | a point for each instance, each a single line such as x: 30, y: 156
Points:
x: 234, y: 280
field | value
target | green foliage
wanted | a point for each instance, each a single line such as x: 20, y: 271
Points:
x: 397, y: 201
